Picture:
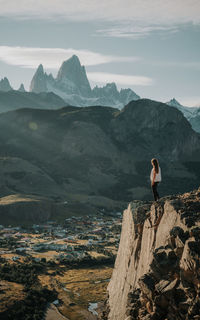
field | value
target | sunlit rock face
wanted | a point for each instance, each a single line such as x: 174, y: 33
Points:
x: 156, y: 273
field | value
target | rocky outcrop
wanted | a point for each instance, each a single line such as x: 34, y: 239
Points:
x: 127, y: 95
x: 156, y: 274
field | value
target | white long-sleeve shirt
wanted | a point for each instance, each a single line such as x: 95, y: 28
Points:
x: 157, y: 177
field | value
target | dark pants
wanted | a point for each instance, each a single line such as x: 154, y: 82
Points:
x: 155, y: 192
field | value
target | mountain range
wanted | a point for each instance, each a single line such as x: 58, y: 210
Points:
x: 71, y: 87
x: 192, y: 114
x: 13, y: 99
x: 97, y: 156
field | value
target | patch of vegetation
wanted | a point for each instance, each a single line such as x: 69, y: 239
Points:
x: 8, y: 243
x: 32, y: 307
x: 89, y: 261
x: 22, y: 273
x: 37, y: 297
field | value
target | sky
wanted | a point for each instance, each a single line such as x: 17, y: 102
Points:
x: 150, y: 46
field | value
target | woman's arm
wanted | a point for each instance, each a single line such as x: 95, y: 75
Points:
x: 154, y: 176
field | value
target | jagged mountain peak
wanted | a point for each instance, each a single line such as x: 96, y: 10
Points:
x: 174, y: 103
x: 127, y: 95
x: 4, y: 80
x: 21, y: 88
x: 40, y: 69
x: 68, y: 66
x: 111, y: 87
x: 38, y: 83
x: 72, y: 85
x: 74, y: 59
x: 5, y: 85
x: 71, y: 73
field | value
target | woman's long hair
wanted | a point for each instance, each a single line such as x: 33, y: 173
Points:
x: 154, y: 162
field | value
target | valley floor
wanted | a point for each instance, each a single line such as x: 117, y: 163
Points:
x: 42, y: 273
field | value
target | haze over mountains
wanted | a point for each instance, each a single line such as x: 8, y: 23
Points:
x: 71, y: 87
x: 91, y: 156
x: 191, y: 113
x: 12, y: 100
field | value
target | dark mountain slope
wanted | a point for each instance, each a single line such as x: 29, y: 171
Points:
x: 99, y: 154
x: 151, y: 128
x: 13, y: 100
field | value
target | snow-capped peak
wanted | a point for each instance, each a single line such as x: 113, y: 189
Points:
x: 174, y: 103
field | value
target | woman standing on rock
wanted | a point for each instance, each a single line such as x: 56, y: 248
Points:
x: 155, y: 177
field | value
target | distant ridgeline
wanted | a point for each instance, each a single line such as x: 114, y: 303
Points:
x: 71, y: 87
x: 96, y: 157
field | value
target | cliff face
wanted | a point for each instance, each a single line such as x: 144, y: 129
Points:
x: 157, y: 270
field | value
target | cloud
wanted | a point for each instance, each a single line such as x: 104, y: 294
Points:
x: 127, y: 18
x: 135, y: 32
x: 177, y: 64
x: 179, y: 11
x: 103, y: 77
x: 51, y: 58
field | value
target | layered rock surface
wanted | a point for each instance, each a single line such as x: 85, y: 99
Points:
x: 157, y: 269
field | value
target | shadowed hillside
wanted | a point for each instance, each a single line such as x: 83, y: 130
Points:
x: 12, y: 100
x: 97, y: 156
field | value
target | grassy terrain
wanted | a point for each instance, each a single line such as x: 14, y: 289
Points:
x: 10, y: 292
x: 74, y: 287
x: 77, y: 287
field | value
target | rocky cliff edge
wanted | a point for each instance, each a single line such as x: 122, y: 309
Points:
x: 157, y: 269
